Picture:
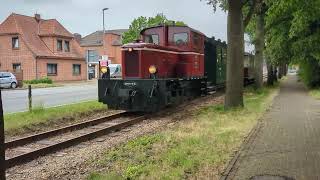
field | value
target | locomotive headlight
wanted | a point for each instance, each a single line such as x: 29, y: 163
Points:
x: 130, y: 49
x: 152, y: 69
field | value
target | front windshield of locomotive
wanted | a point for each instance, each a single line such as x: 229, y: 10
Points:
x: 153, y: 39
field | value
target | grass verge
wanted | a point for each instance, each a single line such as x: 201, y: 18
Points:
x: 196, y: 148
x: 315, y: 93
x: 17, y: 123
x: 40, y: 85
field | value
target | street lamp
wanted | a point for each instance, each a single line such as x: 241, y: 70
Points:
x: 103, y: 33
x: 104, y: 9
x: 104, y: 29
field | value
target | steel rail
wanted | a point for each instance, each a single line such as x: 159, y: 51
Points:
x: 26, y: 157
x: 44, y: 135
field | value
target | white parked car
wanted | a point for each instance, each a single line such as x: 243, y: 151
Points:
x: 8, y: 80
x: 115, y: 70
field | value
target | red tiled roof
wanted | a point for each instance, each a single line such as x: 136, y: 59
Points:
x: 53, y: 27
x: 31, y: 32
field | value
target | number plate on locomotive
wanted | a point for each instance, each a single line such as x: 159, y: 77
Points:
x: 130, y: 84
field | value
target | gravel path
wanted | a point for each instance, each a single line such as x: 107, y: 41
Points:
x: 74, y: 162
x: 286, y: 144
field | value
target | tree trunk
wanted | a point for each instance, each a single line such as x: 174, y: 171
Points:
x: 286, y: 70
x: 234, y: 84
x: 279, y: 71
x: 270, y: 79
x: 275, y: 73
x: 259, y: 46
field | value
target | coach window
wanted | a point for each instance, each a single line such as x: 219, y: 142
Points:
x: 154, y: 39
x: 181, y: 39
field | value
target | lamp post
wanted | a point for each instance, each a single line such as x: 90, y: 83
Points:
x: 2, y: 148
x: 104, y: 31
x: 104, y: 28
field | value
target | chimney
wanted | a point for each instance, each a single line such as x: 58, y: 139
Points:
x: 37, y: 17
x: 77, y: 37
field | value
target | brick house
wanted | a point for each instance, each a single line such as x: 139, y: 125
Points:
x: 40, y: 48
x: 96, y: 45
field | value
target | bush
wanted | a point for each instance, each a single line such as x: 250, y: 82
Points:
x: 44, y: 80
x: 310, y: 73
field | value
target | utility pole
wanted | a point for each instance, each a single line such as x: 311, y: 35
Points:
x: 2, y: 148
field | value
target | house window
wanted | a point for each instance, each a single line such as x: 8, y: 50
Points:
x: 15, y: 43
x: 66, y: 46
x: 92, y: 56
x: 59, y: 45
x: 76, y: 69
x: 52, y: 69
x: 181, y: 39
x: 16, y: 67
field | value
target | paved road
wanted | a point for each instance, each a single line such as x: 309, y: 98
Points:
x: 287, y: 143
x: 17, y: 100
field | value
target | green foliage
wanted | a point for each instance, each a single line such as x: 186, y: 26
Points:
x: 141, y: 23
x: 310, y: 73
x: 44, y: 80
x: 294, y: 34
x: 218, y: 3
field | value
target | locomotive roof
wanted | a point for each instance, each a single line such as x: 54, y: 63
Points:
x: 194, y: 30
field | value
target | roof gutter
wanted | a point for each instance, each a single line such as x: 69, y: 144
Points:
x: 61, y: 58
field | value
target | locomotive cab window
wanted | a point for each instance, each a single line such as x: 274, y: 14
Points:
x: 181, y: 39
x: 153, y: 38
x: 196, y: 41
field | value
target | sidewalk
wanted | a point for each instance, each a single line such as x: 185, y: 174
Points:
x: 287, y: 142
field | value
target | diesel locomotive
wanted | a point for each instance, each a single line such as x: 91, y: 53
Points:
x: 170, y: 64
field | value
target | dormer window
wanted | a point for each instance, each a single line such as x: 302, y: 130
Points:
x: 66, y: 46
x: 59, y: 45
x: 15, y: 43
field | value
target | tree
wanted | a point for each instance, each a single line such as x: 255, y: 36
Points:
x: 294, y: 36
x: 236, y: 25
x: 141, y: 23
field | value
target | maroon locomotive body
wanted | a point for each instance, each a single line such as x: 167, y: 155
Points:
x: 165, y: 67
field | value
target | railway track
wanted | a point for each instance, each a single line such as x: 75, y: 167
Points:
x: 26, y: 149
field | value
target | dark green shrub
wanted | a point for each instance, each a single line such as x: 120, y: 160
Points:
x: 309, y: 73
x: 44, y: 80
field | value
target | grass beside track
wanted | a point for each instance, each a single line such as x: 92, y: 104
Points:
x: 19, y: 122
x: 196, y: 148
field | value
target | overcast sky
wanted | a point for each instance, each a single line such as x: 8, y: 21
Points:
x: 85, y: 16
